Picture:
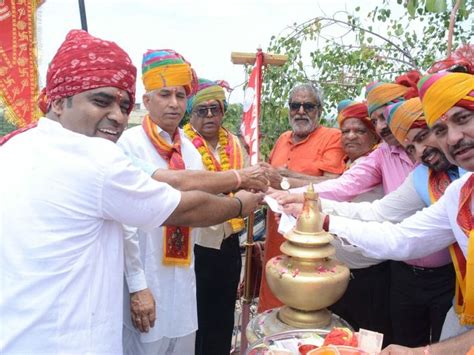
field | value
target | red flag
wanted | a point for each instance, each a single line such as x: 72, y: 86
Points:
x: 18, y: 70
x: 250, y: 129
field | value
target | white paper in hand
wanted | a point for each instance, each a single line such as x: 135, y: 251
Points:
x: 370, y: 341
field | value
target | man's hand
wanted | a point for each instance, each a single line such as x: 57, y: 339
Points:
x: 284, y: 198
x: 250, y: 201
x: 143, y: 310
x: 254, y: 178
x: 401, y: 350
x: 272, y: 175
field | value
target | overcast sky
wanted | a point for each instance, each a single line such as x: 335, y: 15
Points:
x: 205, y: 32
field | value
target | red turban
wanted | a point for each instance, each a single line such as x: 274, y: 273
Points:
x: 84, y: 62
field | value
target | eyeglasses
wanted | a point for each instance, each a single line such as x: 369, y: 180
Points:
x: 203, y: 112
x: 307, y: 106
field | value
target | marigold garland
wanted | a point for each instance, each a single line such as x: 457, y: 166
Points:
x: 211, y: 163
x: 208, y: 159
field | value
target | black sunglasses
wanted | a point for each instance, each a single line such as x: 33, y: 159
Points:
x: 203, y: 112
x: 307, y: 106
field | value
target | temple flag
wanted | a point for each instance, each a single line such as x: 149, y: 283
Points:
x: 250, y: 128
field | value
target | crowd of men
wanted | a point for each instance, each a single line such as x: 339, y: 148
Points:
x: 120, y: 240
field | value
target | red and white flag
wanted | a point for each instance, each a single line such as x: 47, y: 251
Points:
x: 249, y: 127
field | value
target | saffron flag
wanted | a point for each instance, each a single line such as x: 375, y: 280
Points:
x: 18, y: 67
x: 249, y: 128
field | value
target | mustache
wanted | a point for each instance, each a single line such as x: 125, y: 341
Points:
x: 300, y: 117
x: 459, y: 146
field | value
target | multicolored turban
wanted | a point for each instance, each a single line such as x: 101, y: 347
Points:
x: 441, y: 91
x: 403, y: 116
x: 209, y: 90
x: 380, y: 94
x: 164, y: 68
x: 353, y: 109
x: 84, y: 62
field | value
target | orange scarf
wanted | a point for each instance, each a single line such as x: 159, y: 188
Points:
x: 176, y: 239
x: 437, y: 184
x: 465, y: 265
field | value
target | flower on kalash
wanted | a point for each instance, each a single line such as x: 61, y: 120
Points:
x: 167, y: 68
x: 352, y: 109
x: 380, y: 93
x: 229, y: 149
x: 439, y: 93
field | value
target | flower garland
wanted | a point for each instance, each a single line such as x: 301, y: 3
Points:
x: 211, y: 163
x: 208, y: 159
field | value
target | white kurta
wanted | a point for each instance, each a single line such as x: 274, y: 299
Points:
x: 173, y: 287
x: 422, y: 234
x: 64, y: 197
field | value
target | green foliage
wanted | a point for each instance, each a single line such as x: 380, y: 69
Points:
x: 5, y: 126
x: 344, y: 53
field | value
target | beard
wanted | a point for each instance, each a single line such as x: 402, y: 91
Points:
x: 435, y: 159
x: 302, y: 125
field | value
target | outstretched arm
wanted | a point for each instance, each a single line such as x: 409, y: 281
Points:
x: 200, y: 209
x: 251, y: 178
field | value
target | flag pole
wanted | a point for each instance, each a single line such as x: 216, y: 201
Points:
x: 252, y: 138
x: 82, y: 11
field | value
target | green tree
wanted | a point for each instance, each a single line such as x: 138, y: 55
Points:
x: 343, y: 53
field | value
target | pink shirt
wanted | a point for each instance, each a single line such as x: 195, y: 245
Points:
x: 388, y: 165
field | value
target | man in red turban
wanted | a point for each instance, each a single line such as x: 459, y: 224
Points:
x: 65, y: 196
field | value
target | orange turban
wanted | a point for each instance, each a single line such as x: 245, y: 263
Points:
x: 441, y: 91
x: 403, y: 116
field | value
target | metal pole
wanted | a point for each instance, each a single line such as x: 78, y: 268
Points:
x: 82, y: 11
x: 247, y: 299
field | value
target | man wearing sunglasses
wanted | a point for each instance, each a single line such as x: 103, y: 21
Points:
x: 218, y: 260
x: 305, y: 153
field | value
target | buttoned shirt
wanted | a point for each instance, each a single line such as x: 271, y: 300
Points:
x: 64, y: 197
x: 387, y: 165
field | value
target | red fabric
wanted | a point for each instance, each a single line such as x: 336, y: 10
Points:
x: 84, y: 62
x: 250, y: 126
x: 410, y: 80
x: 463, y: 56
x: 420, y: 123
x: 358, y: 110
x: 18, y: 69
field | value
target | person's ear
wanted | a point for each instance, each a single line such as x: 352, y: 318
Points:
x: 57, y: 106
x: 146, y: 100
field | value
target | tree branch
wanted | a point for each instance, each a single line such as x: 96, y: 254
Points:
x: 452, y: 20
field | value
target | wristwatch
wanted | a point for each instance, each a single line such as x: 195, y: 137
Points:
x: 284, y: 184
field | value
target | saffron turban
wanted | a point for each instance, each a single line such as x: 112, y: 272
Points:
x: 164, y: 68
x: 380, y: 94
x: 353, y: 109
x: 84, y: 62
x: 403, y: 116
x: 441, y: 91
x: 209, y: 90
